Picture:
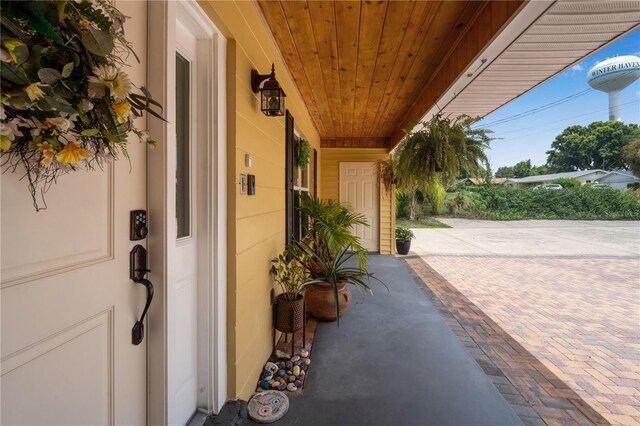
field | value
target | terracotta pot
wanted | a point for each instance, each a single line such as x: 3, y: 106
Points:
x: 289, y: 313
x: 403, y: 247
x: 320, y: 301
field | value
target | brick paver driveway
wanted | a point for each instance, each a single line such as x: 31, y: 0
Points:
x: 568, y: 291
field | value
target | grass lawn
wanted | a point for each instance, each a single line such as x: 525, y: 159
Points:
x: 421, y: 223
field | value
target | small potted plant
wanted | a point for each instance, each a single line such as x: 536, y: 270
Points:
x: 403, y: 239
x: 290, y: 276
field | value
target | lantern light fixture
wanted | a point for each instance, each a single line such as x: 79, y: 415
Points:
x: 271, y: 94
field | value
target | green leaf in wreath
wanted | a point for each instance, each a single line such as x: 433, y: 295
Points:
x: 49, y: 75
x: 12, y: 73
x: 97, y: 42
x: 66, y: 70
x: 24, y: 10
x: 5, y: 143
x: 18, y: 50
x: 90, y: 132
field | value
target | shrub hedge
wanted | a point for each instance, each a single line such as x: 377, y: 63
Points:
x: 506, y: 203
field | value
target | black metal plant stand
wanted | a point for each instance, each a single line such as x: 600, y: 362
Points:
x: 291, y: 330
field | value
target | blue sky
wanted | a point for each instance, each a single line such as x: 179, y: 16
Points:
x: 531, y: 136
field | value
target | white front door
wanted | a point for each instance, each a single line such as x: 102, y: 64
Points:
x: 183, y: 285
x: 359, y: 189
x: 68, y: 305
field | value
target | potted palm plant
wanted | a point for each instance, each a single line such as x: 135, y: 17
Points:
x: 326, y: 253
x: 403, y: 239
x: 290, y: 276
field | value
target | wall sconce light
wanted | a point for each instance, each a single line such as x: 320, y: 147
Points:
x: 271, y: 94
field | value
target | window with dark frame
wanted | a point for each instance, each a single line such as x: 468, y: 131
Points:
x: 297, y: 183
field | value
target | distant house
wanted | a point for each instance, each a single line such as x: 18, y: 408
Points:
x: 619, y: 179
x: 481, y: 181
x: 616, y: 179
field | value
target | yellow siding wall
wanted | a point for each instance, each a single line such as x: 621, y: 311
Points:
x: 329, y: 175
x: 256, y: 224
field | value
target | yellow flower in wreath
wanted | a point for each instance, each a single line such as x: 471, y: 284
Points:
x: 122, y: 110
x: 34, y: 92
x: 72, y: 153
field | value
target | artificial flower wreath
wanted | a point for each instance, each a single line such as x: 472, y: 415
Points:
x: 66, y: 102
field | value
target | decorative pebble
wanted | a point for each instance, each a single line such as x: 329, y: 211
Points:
x: 288, y: 365
x: 282, y: 386
x: 296, y: 370
x: 307, y: 361
x: 295, y: 358
x: 304, y: 367
x: 275, y: 385
x: 281, y: 373
x: 267, y: 375
x: 303, y: 373
x: 291, y: 387
x: 280, y: 354
x: 298, y: 362
x: 264, y: 384
x: 298, y: 383
x: 267, y: 407
x: 292, y: 378
x: 282, y: 365
x: 270, y: 366
x: 304, y: 353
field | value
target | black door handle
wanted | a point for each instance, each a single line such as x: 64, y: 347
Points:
x: 138, y: 269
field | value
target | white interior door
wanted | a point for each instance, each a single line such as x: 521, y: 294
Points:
x: 359, y: 189
x: 183, y: 285
x: 68, y: 305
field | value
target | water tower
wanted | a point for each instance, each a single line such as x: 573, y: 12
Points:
x: 612, y: 76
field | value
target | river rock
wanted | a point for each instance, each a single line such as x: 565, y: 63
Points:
x: 298, y: 383
x: 304, y: 367
x: 280, y: 354
x: 292, y: 378
x: 304, y: 353
x: 270, y: 366
x: 295, y: 358
x: 264, y: 384
x: 289, y: 365
x: 291, y: 387
x: 282, y: 386
x: 296, y: 370
x: 267, y: 375
x: 275, y: 384
x: 303, y: 373
x: 281, y: 373
x: 307, y: 361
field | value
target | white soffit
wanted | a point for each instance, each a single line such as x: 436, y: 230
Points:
x: 544, y: 39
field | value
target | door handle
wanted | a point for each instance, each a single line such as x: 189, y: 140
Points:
x: 138, y: 270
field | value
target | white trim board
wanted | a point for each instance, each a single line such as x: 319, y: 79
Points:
x: 212, y: 373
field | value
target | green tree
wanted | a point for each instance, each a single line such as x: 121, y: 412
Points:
x: 598, y: 145
x: 523, y: 169
x: 632, y: 156
x: 504, y: 171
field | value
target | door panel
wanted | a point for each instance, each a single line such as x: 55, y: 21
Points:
x: 359, y: 189
x: 183, y: 286
x: 67, y: 303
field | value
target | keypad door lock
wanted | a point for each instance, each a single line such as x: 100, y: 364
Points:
x: 139, y: 228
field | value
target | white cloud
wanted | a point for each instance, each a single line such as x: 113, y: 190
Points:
x: 576, y: 68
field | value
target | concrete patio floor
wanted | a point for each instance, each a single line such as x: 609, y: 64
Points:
x: 395, y: 361
x: 567, y: 291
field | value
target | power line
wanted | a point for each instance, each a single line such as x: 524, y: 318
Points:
x: 545, y: 106
x: 565, y: 119
x: 562, y: 127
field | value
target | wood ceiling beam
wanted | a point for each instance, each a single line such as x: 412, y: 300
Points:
x: 488, y: 22
x: 354, y: 142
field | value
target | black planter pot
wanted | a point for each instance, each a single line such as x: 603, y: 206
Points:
x: 403, y: 247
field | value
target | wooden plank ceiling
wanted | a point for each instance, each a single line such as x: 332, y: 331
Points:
x: 361, y: 66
